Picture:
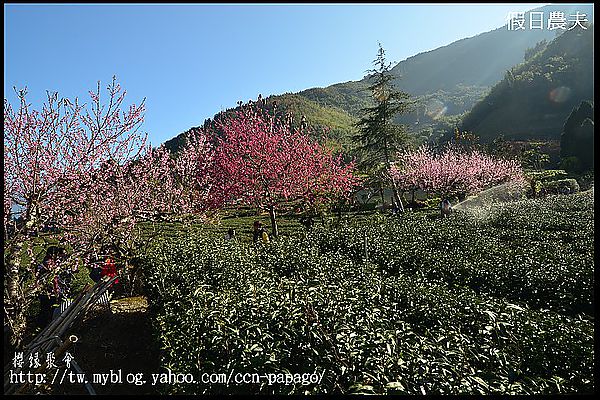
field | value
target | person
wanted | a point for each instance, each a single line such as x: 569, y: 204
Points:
x: 109, y: 269
x: 303, y: 124
x: 51, y: 290
x: 63, y: 280
x: 445, y: 208
x: 48, y: 263
x: 264, y: 235
x: 260, y: 233
x: 307, y: 221
x: 96, y: 271
x: 257, y: 231
x: 230, y: 234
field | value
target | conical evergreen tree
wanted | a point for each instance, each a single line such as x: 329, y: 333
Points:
x: 379, y: 139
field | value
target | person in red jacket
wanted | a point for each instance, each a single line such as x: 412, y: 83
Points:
x: 109, y: 269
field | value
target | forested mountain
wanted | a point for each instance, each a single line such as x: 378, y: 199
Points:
x: 445, y: 83
x: 451, y: 79
x: 335, y: 124
x: 535, y: 98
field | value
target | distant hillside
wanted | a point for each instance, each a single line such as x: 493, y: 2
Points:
x: 339, y: 124
x: 535, y: 98
x: 446, y: 82
x: 451, y: 79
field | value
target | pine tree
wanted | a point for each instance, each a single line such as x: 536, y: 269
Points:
x: 379, y: 139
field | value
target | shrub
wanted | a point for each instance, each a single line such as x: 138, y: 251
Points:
x: 388, y: 305
x: 562, y: 186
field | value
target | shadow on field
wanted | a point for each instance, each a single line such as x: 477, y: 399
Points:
x: 121, y: 340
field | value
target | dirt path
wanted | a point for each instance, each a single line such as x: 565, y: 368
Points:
x: 118, y: 345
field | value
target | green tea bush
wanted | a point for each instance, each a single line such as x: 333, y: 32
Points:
x: 538, y: 252
x: 561, y: 186
x: 408, y: 306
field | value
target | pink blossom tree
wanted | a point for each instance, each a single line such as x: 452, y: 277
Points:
x: 88, y: 172
x: 192, y: 172
x: 453, y: 172
x: 261, y: 161
x: 48, y: 155
x: 153, y: 186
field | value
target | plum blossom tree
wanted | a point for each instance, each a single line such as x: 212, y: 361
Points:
x: 454, y: 172
x: 192, y: 173
x: 87, y: 172
x: 262, y: 161
x: 49, y: 156
x: 149, y: 187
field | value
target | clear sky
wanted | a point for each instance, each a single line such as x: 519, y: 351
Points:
x: 192, y: 60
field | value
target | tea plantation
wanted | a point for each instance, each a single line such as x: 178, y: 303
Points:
x: 410, y: 304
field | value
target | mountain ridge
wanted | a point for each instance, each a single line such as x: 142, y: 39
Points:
x: 446, y: 82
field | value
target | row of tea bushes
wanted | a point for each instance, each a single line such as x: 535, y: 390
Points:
x: 538, y: 252
x: 290, y: 307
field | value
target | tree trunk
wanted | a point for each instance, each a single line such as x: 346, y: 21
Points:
x: 16, y: 299
x: 397, y: 198
x: 274, y: 228
x: 382, y: 197
x: 398, y: 201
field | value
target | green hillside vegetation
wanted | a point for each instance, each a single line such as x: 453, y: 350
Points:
x: 430, y: 108
x: 350, y: 96
x: 535, y: 98
x: 577, y: 139
x: 332, y: 122
x: 338, y: 122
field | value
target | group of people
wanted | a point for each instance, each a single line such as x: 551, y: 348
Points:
x: 109, y: 269
x: 54, y: 277
x: 259, y: 233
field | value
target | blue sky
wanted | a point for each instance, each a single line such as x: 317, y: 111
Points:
x: 192, y: 60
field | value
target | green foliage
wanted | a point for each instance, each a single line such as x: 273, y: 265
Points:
x: 466, y: 140
x: 570, y: 163
x: 547, y: 175
x: 532, y: 51
x: 561, y: 186
x: 350, y: 96
x: 577, y: 139
x: 538, y: 178
x: 385, y: 305
x: 499, y: 147
x: 585, y: 180
x: 379, y: 139
x: 534, y: 99
x: 433, y: 202
x: 533, y: 157
x: 81, y: 278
